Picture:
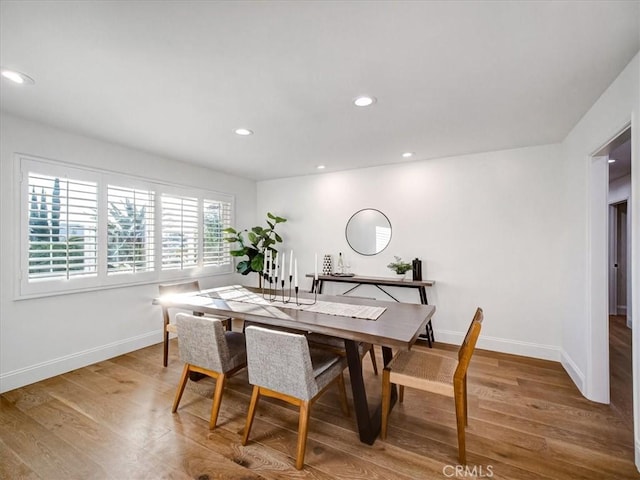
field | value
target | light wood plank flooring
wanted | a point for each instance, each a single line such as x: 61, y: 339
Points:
x: 621, y: 367
x: 112, y: 420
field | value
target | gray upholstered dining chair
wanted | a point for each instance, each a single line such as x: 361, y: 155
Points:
x: 168, y: 327
x: 207, y: 348
x: 337, y: 345
x: 282, y: 365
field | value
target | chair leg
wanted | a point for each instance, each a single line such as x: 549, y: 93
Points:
x: 303, y: 427
x: 165, y: 357
x: 460, y: 421
x: 343, y: 395
x: 181, y: 385
x: 374, y: 363
x: 255, y: 395
x: 401, y: 396
x: 226, y: 323
x: 464, y: 399
x: 386, y: 402
x: 217, y: 400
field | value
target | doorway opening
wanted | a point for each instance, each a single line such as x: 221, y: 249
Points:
x: 619, y: 253
x: 620, y: 291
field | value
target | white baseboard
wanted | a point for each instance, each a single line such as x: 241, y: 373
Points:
x: 638, y: 455
x: 34, y: 373
x: 527, y: 349
x: 574, y: 372
x: 514, y: 347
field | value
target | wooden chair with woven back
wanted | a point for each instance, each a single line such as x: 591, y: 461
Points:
x: 336, y: 345
x: 432, y: 372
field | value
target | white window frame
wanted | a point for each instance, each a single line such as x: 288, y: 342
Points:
x: 56, y: 286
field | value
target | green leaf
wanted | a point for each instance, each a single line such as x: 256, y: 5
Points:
x: 257, y: 264
x: 244, y: 267
x: 253, y: 238
x: 270, y: 224
x: 280, y: 220
x: 229, y: 230
x: 271, y: 216
x: 278, y: 237
x: 237, y: 253
x: 257, y: 230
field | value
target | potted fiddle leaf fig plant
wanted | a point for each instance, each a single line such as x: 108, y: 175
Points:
x: 401, y: 268
x: 258, y: 242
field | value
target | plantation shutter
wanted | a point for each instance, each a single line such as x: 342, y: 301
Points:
x: 130, y: 239
x: 83, y: 229
x: 216, y: 217
x: 62, y: 227
x: 179, y: 232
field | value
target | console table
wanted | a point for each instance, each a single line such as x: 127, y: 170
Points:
x: 380, y: 282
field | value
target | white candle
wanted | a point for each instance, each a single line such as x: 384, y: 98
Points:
x: 315, y: 268
x: 275, y: 266
x: 291, y: 263
x: 295, y: 278
x: 283, y: 270
x: 264, y: 264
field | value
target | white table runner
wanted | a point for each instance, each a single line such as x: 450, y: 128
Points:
x: 238, y: 293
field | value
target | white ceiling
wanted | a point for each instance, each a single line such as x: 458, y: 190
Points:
x: 176, y: 77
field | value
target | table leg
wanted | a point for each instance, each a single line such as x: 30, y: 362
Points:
x: 429, y: 328
x: 368, y: 425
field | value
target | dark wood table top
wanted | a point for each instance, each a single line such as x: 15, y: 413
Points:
x: 398, y: 327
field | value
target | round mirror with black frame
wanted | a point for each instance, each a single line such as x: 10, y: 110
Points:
x: 368, y: 231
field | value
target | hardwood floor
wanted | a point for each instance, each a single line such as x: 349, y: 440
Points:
x: 621, y: 367
x: 113, y: 420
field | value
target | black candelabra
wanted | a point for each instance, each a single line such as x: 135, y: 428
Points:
x: 271, y: 292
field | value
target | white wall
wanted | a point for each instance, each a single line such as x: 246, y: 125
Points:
x: 48, y: 336
x: 489, y: 228
x: 585, y: 321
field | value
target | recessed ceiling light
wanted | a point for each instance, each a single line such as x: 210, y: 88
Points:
x: 17, y: 77
x: 320, y: 167
x: 364, y: 101
x: 243, y: 131
x: 407, y: 154
x: 612, y: 160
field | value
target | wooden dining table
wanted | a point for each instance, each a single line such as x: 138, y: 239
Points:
x: 397, y: 328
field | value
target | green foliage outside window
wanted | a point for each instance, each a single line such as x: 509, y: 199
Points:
x: 47, y: 253
x: 127, y: 233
